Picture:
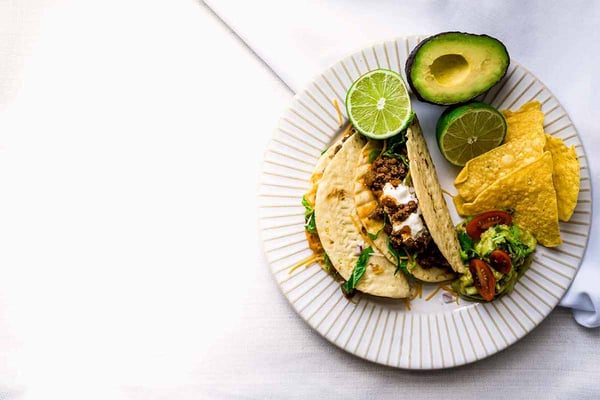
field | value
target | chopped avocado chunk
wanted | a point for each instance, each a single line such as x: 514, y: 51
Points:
x: 454, y: 67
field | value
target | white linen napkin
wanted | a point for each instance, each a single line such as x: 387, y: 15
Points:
x: 554, y: 39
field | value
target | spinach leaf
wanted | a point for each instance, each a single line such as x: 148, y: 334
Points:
x: 412, y: 263
x: 395, y: 145
x: 359, y: 270
x: 306, y: 204
x: 373, y: 155
x: 309, y: 217
x: 327, y: 261
x: 401, y: 259
x: 330, y: 269
x: 373, y: 236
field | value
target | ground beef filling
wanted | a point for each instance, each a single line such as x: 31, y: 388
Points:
x: 432, y: 257
x: 402, y: 240
x: 389, y: 169
x: 384, y: 170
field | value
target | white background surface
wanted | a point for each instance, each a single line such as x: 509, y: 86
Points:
x: 131, y: 137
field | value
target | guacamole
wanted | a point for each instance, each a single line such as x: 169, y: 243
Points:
x: 512, y: 240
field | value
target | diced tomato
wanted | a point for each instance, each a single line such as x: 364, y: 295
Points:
x: 500, y: 261
x: 482, y: 222
x: 483, y: 277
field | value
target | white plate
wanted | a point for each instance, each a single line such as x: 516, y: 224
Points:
x: 432, y: 334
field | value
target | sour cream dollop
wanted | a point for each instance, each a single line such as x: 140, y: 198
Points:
x: 402, y: 194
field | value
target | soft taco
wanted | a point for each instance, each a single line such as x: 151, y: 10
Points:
x: 349, y: 250
x: 308, y: 200
x: 400, y: 205
x: 347, y: 223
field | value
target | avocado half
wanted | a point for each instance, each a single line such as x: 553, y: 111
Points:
x: 454, y: 67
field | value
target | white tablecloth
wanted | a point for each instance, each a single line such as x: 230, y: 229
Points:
x: 131, y: 137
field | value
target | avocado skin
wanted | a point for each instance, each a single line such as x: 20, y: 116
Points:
x: 413, y: 54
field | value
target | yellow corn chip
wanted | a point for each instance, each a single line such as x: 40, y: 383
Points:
x: 459, y: 203
x: 530, y: 107
x: 565, y: 175
x: 529, y: 192
x: 524, y: 144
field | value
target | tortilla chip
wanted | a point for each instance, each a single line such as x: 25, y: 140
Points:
x: 565, y: 175
x: 481, y: 171
x: 529, y: 191
x: 529, y: 114
x: 459, y: 204
x: 532, y: 105
x: 526, y: 145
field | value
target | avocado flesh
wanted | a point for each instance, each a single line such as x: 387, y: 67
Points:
x: 455, y: 67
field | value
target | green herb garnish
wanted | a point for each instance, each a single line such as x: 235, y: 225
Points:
x: 401, y: 259
x: 373, y: 236
x: 327, y: 262
x: 395, y: 144
x: 412, y: 263
x: 374, y: 154
x: 467, y: 251
x: 309, y: 217
x: 359, y: 270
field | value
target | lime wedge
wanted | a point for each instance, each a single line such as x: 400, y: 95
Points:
x: 469, y: 130
x: 378, y: 104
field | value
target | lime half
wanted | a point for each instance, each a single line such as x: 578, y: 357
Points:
x: 378, y: 104
x: 469, y: 130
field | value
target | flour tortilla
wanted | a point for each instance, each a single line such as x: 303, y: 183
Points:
x: 313, y: 239
x: 340, y: 230
x: 366, y: 202
x: 323, y: 162
x: 431, y: 199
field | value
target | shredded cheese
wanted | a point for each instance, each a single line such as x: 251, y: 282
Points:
x: 407, y: 304
x: 339, y: 112
x: 306, y: 262
x: 418, y: 291
x: 447, y: 193
x: 437, y: 289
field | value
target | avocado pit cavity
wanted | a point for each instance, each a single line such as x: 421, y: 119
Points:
x: 450, y: 69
